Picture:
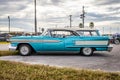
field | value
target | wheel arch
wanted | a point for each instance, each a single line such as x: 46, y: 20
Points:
x: 94, y: 49
x: 33, y: 50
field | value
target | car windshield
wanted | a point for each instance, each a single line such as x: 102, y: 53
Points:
x: 88, y: 32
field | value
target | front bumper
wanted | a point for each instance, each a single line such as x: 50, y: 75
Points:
x: 12, y: 48
x: 110, y: 47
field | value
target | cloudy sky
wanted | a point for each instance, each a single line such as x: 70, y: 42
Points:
x: 55, y: 13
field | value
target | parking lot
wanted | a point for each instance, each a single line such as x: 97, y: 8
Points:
x: 4, y: 47
x: 107, y: 61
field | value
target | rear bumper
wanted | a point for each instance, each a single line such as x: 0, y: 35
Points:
x: 12, y: 48
x: 110, y: 47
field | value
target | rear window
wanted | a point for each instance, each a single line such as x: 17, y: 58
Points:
x: 88, y: 33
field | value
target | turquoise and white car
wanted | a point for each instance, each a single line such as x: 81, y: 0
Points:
x: 60, y: 40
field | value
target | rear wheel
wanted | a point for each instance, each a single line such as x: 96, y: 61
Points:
x: 87, y: 51
x: 24, y: 50
x: 116, y: 41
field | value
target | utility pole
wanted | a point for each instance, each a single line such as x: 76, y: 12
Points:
x: 70, y: 21
x: 82, y: 16
x: 35, y: 19
x: 9, y: 23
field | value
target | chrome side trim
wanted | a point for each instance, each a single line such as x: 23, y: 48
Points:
x: 59, y: 52
x: 91, y: 42
x: 25, y: 40
x: 51, y: 41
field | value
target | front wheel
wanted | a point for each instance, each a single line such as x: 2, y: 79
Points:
x: 24, y: 50
x: 87, y: 51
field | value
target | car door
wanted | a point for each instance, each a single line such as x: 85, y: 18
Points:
x: 70, y: 44
x: 53, y: 43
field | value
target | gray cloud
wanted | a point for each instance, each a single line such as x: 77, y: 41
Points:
x: 106, y: 2
x: 56, y: 1
x: 9, y: 6
x: 4, y: 2
x: 101, y: 17
x: 50, y: 2
x: 56, y: 12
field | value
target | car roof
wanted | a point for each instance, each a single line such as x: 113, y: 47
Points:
x: 73, y: 29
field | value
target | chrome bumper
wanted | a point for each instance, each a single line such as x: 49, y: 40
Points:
x: 11, y: 48
x: 110, y: 47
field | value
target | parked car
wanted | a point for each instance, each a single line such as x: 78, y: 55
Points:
x: 4, y: 36
x: 115, y: 38
x: 61, y: 40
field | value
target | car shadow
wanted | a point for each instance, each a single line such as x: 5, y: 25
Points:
x: 101, y: 55
x: 69, y: 54
x: 55, y: 54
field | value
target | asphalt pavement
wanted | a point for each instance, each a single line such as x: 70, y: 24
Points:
x: 106, y: 61
x: 4, y: 47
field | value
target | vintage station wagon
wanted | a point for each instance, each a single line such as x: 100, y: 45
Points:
x: 60, y: 40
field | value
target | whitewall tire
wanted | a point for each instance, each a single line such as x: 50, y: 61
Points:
x: 24, y: 50
x: 87, y: 51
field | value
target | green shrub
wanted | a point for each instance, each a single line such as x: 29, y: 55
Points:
x: 20, y: 71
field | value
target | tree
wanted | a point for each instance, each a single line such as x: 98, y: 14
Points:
x: 91, y: 25
x: 80, y: 25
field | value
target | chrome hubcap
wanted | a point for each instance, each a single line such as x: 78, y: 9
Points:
x: 24, y: 50
x: 87, y: 51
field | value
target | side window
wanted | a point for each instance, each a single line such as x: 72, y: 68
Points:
x: 46, y: 33
x: 87, y: 33
x: 94, y: 33
x: 62, y: 33
x: 84, y: 33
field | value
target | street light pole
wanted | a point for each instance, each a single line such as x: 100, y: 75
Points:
x: 35, y: 19
x: 9, y: 23
x: 70, y: 21
x: 83, y: 16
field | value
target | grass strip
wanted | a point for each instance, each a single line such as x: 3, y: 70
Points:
x: 3, y: 42
x: 20, y: 71
x: 7, y: 53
